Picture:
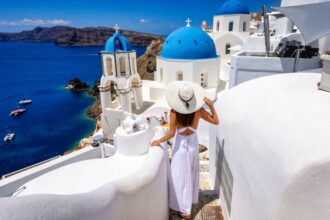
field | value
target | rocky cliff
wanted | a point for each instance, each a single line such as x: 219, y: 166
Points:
x: 95, y: 110
x: 70, y: 36
x: 76, y: 85
x: 147, y: 63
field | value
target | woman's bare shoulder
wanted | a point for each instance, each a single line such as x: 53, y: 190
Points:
x: 200, y: 111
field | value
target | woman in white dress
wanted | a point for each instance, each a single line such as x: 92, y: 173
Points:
x: 186, y: 100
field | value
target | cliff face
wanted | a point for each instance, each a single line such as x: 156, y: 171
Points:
x: 70, y: 36
x: 147, y: 63
x: 95, y: 110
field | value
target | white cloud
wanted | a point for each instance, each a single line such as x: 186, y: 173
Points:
x: 8, y: 23
x: 142, y: 20
x: 35, y: 22
x: 58, y: 22
x: 32, y: 22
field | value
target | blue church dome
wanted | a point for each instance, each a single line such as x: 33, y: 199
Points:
x: 233, y: 7
x: 188, y: 43
x: 117, y: 43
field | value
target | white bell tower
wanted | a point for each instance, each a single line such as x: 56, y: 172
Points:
x: 119, y: 69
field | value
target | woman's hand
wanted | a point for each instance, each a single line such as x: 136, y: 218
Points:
x: 213, y: 117
x: 155, y: 143
x: 208, y: 101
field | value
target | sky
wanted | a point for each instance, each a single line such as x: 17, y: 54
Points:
x: 151, y: 16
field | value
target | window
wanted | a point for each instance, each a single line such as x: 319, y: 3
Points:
x: 227, y: 49
x: 244, y: 26
x: 231, y: 26
x: 204, y: 79
x: 179, y: 76
x: 161, y: 75
x: 122, y: 66
x: 218, y: 25
x: 108, y: 63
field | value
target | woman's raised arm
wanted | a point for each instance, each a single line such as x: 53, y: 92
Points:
x: 213, y: 117
x: 171, y: 132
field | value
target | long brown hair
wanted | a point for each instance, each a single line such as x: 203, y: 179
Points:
x: 184, y: 120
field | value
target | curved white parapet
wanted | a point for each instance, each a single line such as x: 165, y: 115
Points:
x: 270, y: 153
x: 82, y: 177
x: 9, y: 184
x: 139, y: 193
x: 132, y: 144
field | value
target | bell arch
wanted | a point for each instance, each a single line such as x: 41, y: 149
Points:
x: 135, y: 83
x: 107, y: 93
x: 109, y: 67
x: 133, y: 63
x: 161, y: 75
x: 122, y: 66
x: 230, y: 38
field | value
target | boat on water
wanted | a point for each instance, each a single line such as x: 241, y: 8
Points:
x: 25, y: 101
x: 9, y: 137
x: 17, y: 112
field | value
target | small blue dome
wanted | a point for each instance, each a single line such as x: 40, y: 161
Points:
x: 117, y: 43
x: 233, y: 7
x: 188, y: 43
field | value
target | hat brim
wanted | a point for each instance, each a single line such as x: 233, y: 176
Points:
x: 174, y: 101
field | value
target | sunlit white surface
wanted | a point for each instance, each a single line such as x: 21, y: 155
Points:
x: 83, y: 176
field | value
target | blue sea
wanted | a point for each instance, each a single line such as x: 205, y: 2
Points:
x: 56, y: 120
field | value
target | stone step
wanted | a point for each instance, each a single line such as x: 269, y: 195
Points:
x: 203, y: 168
x: 204, y: 175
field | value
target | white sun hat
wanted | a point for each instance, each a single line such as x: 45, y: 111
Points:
x: 185, y: 97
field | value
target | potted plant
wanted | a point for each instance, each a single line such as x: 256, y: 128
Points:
x: 325, y: 78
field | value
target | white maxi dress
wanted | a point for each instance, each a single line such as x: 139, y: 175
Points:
x: 184, y: 186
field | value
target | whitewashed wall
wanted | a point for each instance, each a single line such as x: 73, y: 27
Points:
x: 222, y: 39
x: 191, y: 69
x: 275, y: 137
x: 236, y: 19
x: 244, y: 68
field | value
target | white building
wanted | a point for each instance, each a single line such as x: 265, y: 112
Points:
x: 188, y: 54
x: 231, y: 26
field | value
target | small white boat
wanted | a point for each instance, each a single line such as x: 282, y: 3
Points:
x: 17, y: 112
x: 9, y: 137
x: 25, y: 101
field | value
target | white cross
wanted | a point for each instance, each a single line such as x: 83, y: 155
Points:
x: 117, y: 28
x: 188, y: 22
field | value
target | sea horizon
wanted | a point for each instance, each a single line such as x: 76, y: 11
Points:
x: 56, y: 120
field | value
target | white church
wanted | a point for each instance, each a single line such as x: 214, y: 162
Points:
x: 231, y: 27
x: 188, y: 54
